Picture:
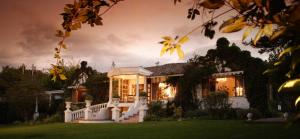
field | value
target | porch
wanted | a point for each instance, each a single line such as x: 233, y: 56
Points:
x: 127, y: 83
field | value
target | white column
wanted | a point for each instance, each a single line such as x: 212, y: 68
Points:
x: 119, y: 87
x: 68, y: 113
x: 137, y: 92
x: 110, y: 88
x: 145, y: 84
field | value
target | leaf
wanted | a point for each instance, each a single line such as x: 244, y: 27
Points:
x: 297, y: 101
x: 233, y: 25
x: 258, y: 35
x: 288, y: 50
x: 228, y: 22
x: 212, y: 4
x: 289, y: 84
x: 53, y: 78
x: 237, y: 26
x: 64, y: 46
x: 163, y: 50
x: 268, y: 29
x: 268, y: 71
x: 67, y: 33
x: 183, y: 40
x: 247, y: 32
x: 62, y: 77
x: 168, y: 38
x: 179, y: 52
x: 172, y: 49
x: 276, y: 34
x: 59, y: 33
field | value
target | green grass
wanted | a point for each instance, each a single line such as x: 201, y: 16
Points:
x: 192, y: 129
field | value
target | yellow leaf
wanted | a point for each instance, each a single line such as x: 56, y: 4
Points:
x: 268, y: 29
x: 64, y: 46
x: 52, y: 71
x: 172, y: 49
x: 289, y: 84
x: 258, y: 35
x: 288, y: 50
x: 276, y: 34
x: 247, y: 32
x: 62, y: 77
x: 168, y: 38
x: 59, y: 33
x: 163, y: 50
x: 179, y: 52
x: 53, y: 78
x: 67, y: 33
x: 297, y: 101
x: 233, y: 25
x: 183, y: 40
x: 237, y: 26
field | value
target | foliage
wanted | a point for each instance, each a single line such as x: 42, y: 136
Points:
x: 143, y: 94
x: 274, y: 23
x: 115, y: 94
x: 74, y: 15
x: 217, y: 100
x: 19, y: 89
x: 89, y: 97
x: 156, y: 109
x: 97, y: 86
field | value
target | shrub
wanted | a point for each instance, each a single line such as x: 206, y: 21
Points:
x: 88, y: 97
x: 217, y: 105
x: 195, y: 113
x: 54, y: 118
x: 143, y: 94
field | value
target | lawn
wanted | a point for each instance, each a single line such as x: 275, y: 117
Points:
x: 192, y: 129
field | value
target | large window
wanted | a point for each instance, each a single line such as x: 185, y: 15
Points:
x: 233, y: 85
x: 166, y: 91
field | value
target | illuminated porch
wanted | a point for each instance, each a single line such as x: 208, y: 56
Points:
x: 127, y: 83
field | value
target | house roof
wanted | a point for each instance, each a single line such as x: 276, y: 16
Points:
x: 223, y: 74
x: 167, y: 69
x: 128, y: 71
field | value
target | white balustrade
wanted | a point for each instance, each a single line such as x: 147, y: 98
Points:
x: 71, y: 116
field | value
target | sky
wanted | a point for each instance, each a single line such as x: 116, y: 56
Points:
x: 129, y: 36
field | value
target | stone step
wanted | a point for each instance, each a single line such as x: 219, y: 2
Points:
x: 131, y: 119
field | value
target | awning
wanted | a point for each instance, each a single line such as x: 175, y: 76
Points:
x: 128, y: 71
x: 223, y: 74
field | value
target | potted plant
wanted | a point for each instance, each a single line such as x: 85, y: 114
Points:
x: 88, y: 100
x: 143, y: 97
x: 68, y: 102
x: 115, y: 98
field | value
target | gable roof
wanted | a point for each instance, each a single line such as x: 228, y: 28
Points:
x: 167, y: 69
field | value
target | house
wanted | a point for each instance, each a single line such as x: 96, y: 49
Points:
x: 126, y: 83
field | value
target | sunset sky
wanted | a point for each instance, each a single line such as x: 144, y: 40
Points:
x: 129, y: 37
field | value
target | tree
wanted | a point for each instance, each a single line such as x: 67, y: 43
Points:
x: 97, y: 86
x: 228, y: 56
x: 276, y: 22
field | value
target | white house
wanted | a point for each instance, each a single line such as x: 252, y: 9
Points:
x: 128, y: 82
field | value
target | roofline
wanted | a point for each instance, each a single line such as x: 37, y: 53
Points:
x: 170, y: 75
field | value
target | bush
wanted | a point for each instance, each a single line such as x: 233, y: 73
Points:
x: 195, y: 113
x: 54, y: 118
x: 217, y: 105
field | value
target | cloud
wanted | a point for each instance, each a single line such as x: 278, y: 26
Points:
x: 38, y: 39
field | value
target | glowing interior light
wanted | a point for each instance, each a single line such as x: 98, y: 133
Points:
x: 221, y: 79
x: 239, y: 91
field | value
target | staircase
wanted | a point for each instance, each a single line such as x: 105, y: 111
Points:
x: 132, y: 119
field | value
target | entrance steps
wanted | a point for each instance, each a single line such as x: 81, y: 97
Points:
x: 131, y: 119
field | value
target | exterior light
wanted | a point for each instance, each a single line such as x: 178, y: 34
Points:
x: 221, y: 79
